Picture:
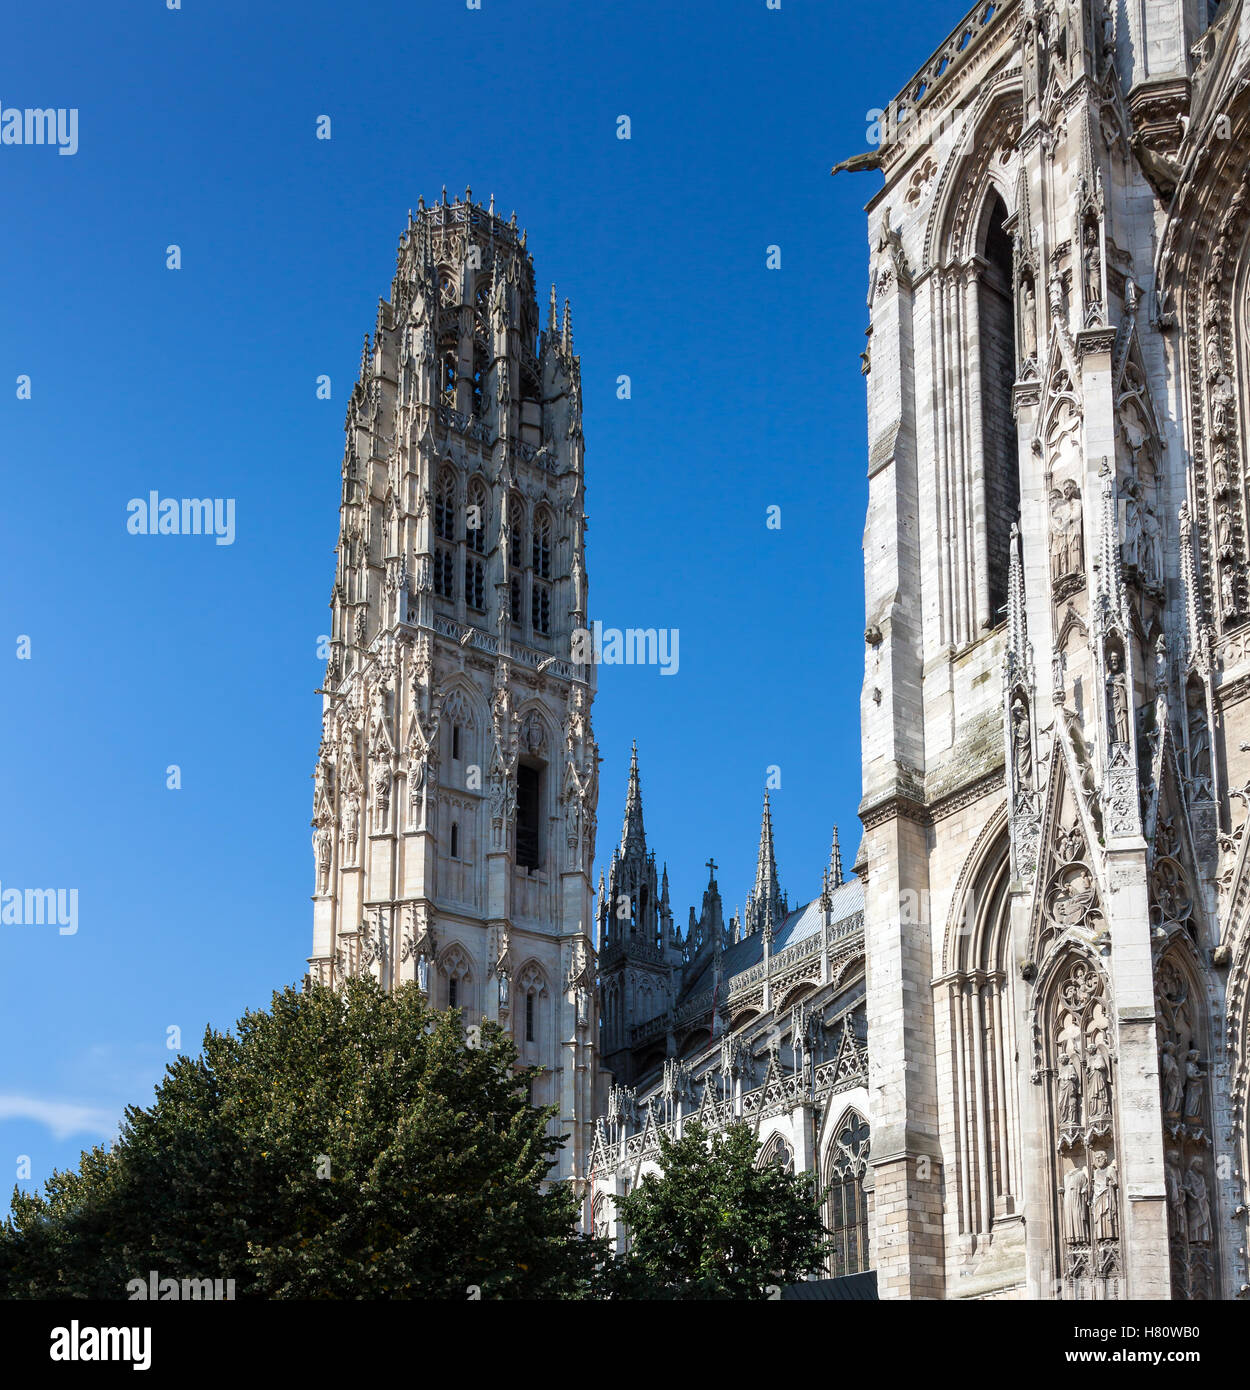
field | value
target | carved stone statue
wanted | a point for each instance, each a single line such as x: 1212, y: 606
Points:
x: 1171, y: 1082
x: 1074, y: 529
x: 1199, y: 1202
x: 1104, y: 1204
x: 1076, y: 1206
x: 1175, y: 1188
x: 1117, y: 698
x: 1028, y: 319
x: 1098, y: 1085
x: 1068, y: 1081
x: 323, y: 848
x: 1091, y: 260
x: 1021, y: 743
x: 1195, y: 1085
x: 1199, y: 740
x: 1132, y: 522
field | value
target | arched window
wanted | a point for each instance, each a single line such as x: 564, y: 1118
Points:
x: 447, y: 376
x: 516, y: 530
x: 542, y: 544
x: 444, y: 572
x: 455, y: 742
x: 457, y: 977
x: 476, y: 516
x: 846, y: 1203
x: 1000, y: 453
x: 533, y: 987
x: 445, y: 506
x: 777, y: 1154
x: 514, y: 599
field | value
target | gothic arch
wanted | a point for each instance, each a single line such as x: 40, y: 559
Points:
x: 978, y: 1000
x: 533, y: 1003
x: 776, y: 1151
x: 845, y: 1198
x: 454, y: 965
x: 1077, y: 1067
x: 1185, y: 1005
x: 975, y: 167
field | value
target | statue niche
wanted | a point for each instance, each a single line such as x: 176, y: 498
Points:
x: 1067, y: 539
x: 1188, y: 1165
x: 1086, y: 1185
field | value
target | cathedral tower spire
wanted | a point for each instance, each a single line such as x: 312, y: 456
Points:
x: 457, y: 778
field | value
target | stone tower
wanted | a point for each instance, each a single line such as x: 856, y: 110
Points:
x: 1057, y: 662
x: 457, y: 779
x: 639, y: 951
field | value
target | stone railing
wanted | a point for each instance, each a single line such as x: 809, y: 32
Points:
x: 842, y: 1073
x: 963, y: 41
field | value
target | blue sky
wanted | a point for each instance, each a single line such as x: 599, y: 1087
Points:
x: 196, y: 128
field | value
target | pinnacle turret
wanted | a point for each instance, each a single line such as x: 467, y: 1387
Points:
x: 835, y: 862
x: 766, y: 904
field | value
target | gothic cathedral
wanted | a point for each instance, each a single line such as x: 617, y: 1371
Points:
x: 455, y: 789
x: 1056, y: 734
x: 1014, y: 1044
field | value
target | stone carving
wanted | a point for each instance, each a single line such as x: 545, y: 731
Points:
x: 1067, y: 543
x: 1104, y: 1201
x: 1021, y: 744
x: 1028, y: 319
x: 1118, y: 703
x: 1091, y: 262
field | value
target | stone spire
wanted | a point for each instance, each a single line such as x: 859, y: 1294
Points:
x: 633, y: 836
x: 835, y: 862
x: 766, y: 905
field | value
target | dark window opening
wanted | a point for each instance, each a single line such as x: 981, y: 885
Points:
x: 455, y: 840
x: 453, y: 992
x: 474, y: 585
x: 444, y: 573
x: 1001, y: 458
x: 540, y: 605
x: 455, y: 742
x: 529, y: 1018
x: 528, y: 843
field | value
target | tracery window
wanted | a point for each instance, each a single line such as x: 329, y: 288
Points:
x: 444, y: 573
x: 516, y: 532
x: 846, y: 1202
x: 475, y: 519
x: 542, y: 544
x: 445, y: 506
x: 514, y: 599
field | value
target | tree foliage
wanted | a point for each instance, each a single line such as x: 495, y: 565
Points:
x: 344, y: 1143
x: 713, y: 1225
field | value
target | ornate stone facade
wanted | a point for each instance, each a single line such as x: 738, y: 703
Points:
x: 455, y: 790
x: 1056, y: 735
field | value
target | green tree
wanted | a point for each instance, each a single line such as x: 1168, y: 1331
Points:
x: 713, y: 1225
x: 343, y: 1143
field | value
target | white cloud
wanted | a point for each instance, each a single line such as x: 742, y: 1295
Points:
x: 62, y: 1117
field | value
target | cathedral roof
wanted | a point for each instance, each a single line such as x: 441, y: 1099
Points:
x: 799, y: 925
